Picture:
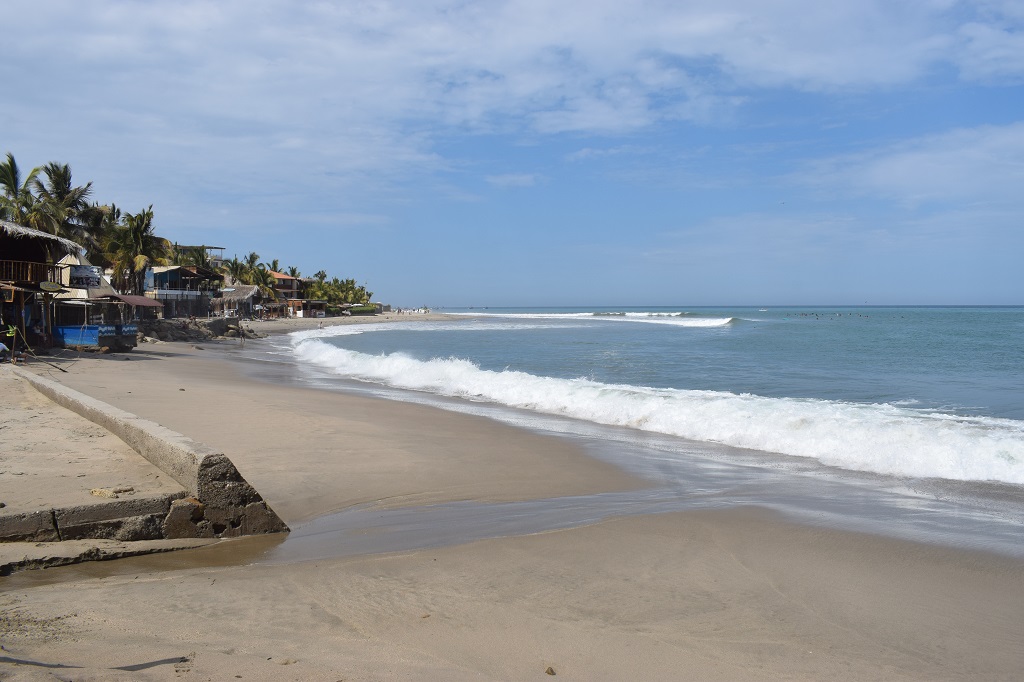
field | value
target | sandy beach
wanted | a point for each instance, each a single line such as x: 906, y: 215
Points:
x: 726, y: 595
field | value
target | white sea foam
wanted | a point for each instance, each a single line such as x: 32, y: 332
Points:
x: 678, y: 319
x: 883, y: 438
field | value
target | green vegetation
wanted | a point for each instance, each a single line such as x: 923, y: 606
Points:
x: 131, y: 248
x: 336, y: 291
x: 48, y: 200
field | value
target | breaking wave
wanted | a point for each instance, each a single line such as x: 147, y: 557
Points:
x: 884, y: 438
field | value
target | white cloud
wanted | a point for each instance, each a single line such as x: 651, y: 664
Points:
x: 595, y: 66
x: 991, y: 53
x: 249, y: 102
x: 983, y: 164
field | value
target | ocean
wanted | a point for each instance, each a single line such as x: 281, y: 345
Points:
x: 907, y: 421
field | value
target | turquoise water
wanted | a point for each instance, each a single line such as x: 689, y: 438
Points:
x: 964, y: 360
x: 926, y: 392
x: 896, y: 420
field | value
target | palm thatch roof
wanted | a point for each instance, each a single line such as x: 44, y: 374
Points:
x: 241, y: 292
x: 64, y: 246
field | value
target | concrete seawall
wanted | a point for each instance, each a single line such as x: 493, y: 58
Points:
x: 220, y: 502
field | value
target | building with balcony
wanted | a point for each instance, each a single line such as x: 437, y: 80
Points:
x: 29, y: 276
x: 183, y: 290
x: 286, y: 286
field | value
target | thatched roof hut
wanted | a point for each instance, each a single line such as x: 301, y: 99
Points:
x: 241, y: 298
x: 56, y: 246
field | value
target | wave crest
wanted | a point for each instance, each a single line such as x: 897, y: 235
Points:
x: 882, y: 438
x: 678, y: 319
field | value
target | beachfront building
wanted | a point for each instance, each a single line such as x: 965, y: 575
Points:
x: 183, y: 290
x: 286, y: 286
x: 29, y: 276
x: 89, y: 313
x: 305, y: 307
x: 215, y: 256
x: 52, y: 296
x: 238, y: 300
x: 290, y: 291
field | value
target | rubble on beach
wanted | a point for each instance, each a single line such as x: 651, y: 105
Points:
x: 197, y: 329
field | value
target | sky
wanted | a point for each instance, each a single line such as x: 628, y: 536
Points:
x: 570, y: 152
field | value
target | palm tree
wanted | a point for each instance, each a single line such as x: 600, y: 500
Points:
x: 17, y: 199
x: 234, y: 269
x: 200, y: 257
x: 100, y: 221
x: 190, y: 255
x: 265, y: 281
x: 293, y: 272
x: 273, y: 265
x: 61, y: 208
x: 251, y: 263
x: 132, y: 248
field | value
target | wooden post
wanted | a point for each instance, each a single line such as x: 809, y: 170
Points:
x: 21, y: 317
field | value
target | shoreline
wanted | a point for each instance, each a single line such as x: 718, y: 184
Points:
x: 281, y: 326
x: 741, y: 593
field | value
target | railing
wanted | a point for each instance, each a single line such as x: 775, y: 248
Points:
x: 24, y: 271
x: 176, y: 294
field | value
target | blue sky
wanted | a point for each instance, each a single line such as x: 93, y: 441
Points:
x: 713, y: 152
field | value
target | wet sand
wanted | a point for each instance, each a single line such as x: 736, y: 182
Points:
x: 732, y: 595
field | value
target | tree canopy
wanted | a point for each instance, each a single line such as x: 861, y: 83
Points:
x: 47, y: 199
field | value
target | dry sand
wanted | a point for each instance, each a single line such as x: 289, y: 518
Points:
x: 50, y: 454
x: 733, y: 595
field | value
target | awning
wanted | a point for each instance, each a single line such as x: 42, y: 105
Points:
x: 138, y: 300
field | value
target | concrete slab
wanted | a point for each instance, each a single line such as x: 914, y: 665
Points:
x: 231, y: 506
x: 76, y: 470
x: 16, y: 556
x: 51, y: 458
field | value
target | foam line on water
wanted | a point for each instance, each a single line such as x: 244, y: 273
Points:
x: 883, y: 438
x: 677, y: 319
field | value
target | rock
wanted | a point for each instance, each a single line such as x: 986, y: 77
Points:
x: 549, y: 671
x: 186, y: 519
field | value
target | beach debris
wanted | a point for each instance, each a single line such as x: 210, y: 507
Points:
x: 184, y: 664
x: 112, y: 493
x: 549, y: 671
